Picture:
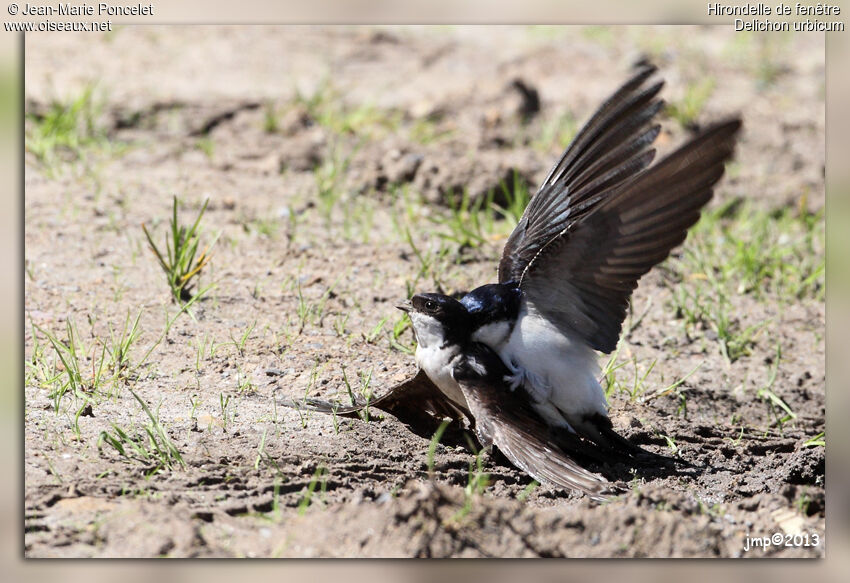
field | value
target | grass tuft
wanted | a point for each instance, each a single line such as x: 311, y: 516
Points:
x: 181, y: 262
x: 471, y: 223
x: 326, y: 106
x: 735, y: 250
x: 122, y: 342
x: 432, y: 446
x: 476, y: 484
x: 66, y: 127
x: 688, y: 109
x: 818, y: 440
x: 319, y: 479
x: 71, y: 374
x: 153, y: 447
x: 779, y: 409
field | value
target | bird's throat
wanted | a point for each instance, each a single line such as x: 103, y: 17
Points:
x: 438, y: 361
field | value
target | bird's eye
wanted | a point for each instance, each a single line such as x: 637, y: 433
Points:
x: 431, y: 305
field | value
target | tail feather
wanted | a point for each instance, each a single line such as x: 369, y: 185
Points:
x: 599, y: 430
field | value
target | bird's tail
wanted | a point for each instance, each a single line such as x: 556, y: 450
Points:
x: 599, y: 430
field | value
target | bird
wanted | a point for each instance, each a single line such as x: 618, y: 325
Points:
x: 518, y: 357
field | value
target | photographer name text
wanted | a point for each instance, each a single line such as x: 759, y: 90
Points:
x: 100, y: 9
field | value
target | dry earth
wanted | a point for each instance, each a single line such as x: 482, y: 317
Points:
x: 320, y: 149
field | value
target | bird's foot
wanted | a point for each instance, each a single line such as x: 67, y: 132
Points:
x: 515, y: 380
x: 535, y: 386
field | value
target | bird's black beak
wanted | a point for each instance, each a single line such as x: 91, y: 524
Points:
x: 405, y: 306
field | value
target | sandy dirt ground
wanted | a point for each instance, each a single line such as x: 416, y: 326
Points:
x: 332, y: 159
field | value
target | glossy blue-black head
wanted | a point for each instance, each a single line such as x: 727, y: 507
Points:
x: 493, y: 302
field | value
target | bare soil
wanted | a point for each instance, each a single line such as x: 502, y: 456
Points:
x: 430, y: 111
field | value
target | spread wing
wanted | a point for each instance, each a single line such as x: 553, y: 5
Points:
x: 612, y: 147
x: 581, y: 279
x: 416, y: 401
x: 505, y: 419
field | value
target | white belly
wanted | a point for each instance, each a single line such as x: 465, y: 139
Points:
x: 565, y: 370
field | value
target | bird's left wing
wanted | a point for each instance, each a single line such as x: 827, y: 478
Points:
x: 504, y: 419
x: 416, y: 401
x: 614, y: 145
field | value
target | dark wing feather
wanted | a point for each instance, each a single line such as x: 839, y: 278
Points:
x: 416, y: 401
x: 504, y: 419
x: 581, y: 279
x: 612, y: 147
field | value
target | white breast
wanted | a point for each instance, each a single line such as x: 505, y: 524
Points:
x: 493, y: 335
x: 564, y: 368
x: 433, y: 358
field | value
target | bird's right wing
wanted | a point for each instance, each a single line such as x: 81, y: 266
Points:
x: 504, y: 419
x: 581, y: 280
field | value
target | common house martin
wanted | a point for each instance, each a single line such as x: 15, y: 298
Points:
x: 518, y: 358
